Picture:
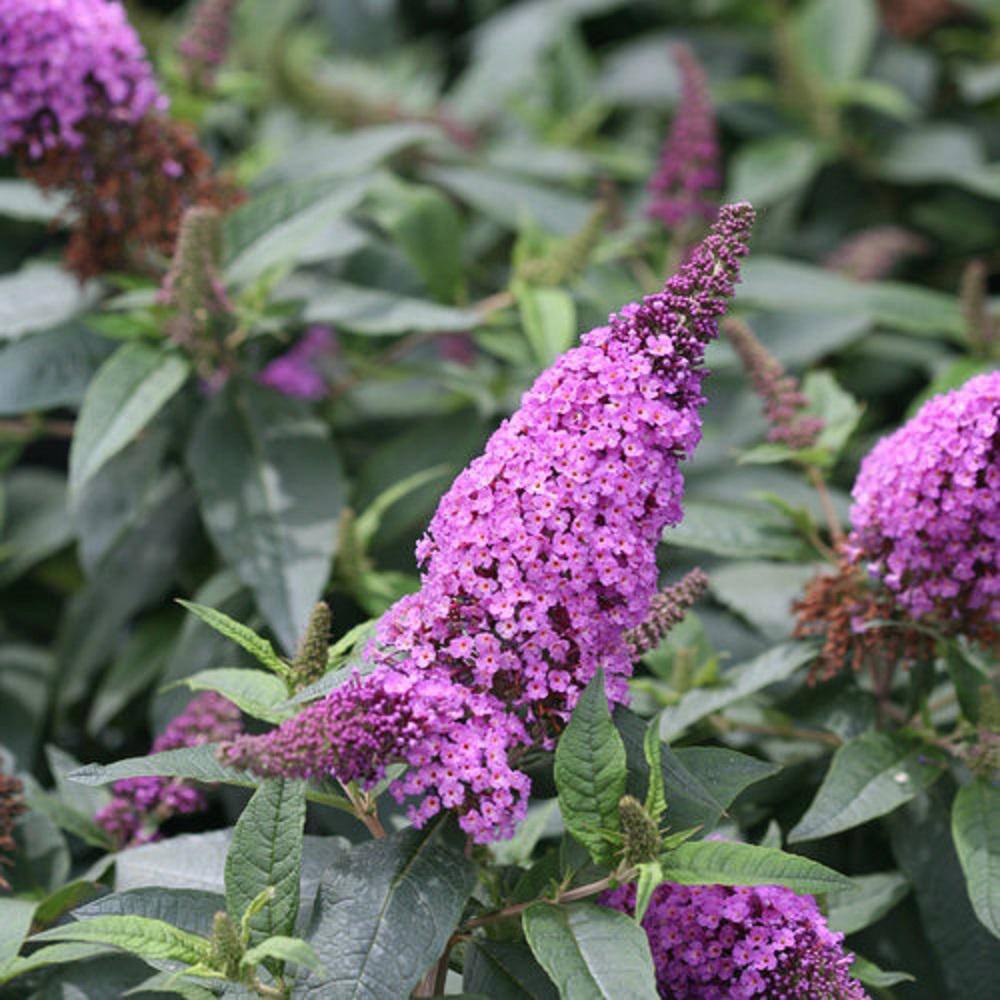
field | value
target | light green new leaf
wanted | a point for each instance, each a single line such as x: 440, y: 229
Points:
x: 871, y: 975
x: 656, y: 796
x: 252, y: 691
x: 590, y: 771
x: 591, y: 952
x: 15, y: 923
x: 129, y: 389
x: 548, y: 316
x: 256, y: 645
x: 142, y: 936
x: 837, y: 37
x: 266, y: 853
x: 54, y: 954
x: 284, y: 949
x: 975, y: 827
x: 723, y: 863
x: 868, y: 777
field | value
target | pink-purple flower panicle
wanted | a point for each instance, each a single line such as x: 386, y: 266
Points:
x: 688, y: 172
x: 139, y: 805
x: 205, y: 44
x: 299, y: 371
x: 714, y: 942
x: 926, y: 514
x: 63, y: 62
x: 540, y: 557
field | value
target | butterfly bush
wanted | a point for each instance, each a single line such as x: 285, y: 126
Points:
x: 926, y: 513
x: 538, y: 561
x: 689, y: 161
x: 139, y: 805
x: 205, y: 44
x: 11, y: 806
x: 64, y: 61
x: 715, y: 942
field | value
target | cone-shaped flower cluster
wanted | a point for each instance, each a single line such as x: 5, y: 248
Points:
x: 714, y: 942
x: 784, y: 402
x: 139, y: 805
x: 537, y: 562
x: 205, y: 44
x: 689, y: 163
x: 926, y: 514
x: 63, y: 62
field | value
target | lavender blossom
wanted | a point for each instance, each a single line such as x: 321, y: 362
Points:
x: 689, y: 161
x: 63, y: 62
x: 537, y: 562
x: 784, y: 403
x: 205, y: 44
x: 139, y: 805
x: 298, y: 372
x: 926, y: 514
x: 714, y: 942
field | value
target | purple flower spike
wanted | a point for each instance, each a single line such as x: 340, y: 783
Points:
x: 716, y: 942
x: 926, y: 514
x: 62, y: 62
x: 139, y: 805
x: 689, y: 162
x: 537, y: 562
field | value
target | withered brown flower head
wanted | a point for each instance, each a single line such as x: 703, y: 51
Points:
x: 11, y: 806
x: 666, y: 610
x: 129, y: 186
x: 840, y: 607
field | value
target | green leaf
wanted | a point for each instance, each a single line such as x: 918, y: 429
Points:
x: 271, y: 491
x: 273, y: 228
x: 266, y: 853
x: 252, y: 691
x: 591, y: 952
x: 194, y: 763
x: 590, y: 771
x: 71, y: 820
x: 129, y: 389
x: 770, y: 170
x: 36, y: 523
x: 738, y: 682
x: 650, y: 878
x: 726, y: 772
x: 762, y: 592
x: 378, y: 312
x: 190, y: 910
x: 429, y: 229
x: 837, y: 37
x: 507, y: 199
x: 548, y: 316
x: 738, y: 531
x: 869, y: 899
x: 52, y: 368
x: 504, y: 970
x: 723, y: 863
x: 55, y: 954
x: 921, y: 839
x: 142, y: 936
x: 871, y: 975
x: 16, y: 916
x: 284, y: 949
x: 975, y: 827
x: 26, y: 201
x: 868, y: 777
x: 838, y: 409
x: 244, y: 636
x: 38, y: 297
x: 656, y: 799
x: 384, y: 912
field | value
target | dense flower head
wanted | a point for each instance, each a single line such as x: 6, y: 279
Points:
x: 538, y: 560
x: 688, y: 170
x: 715, y: 942
x: 139, y: 805
x: 299, y: 371
x: 63, y: 62
x: 456, y: 743
x: 926, y: 513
